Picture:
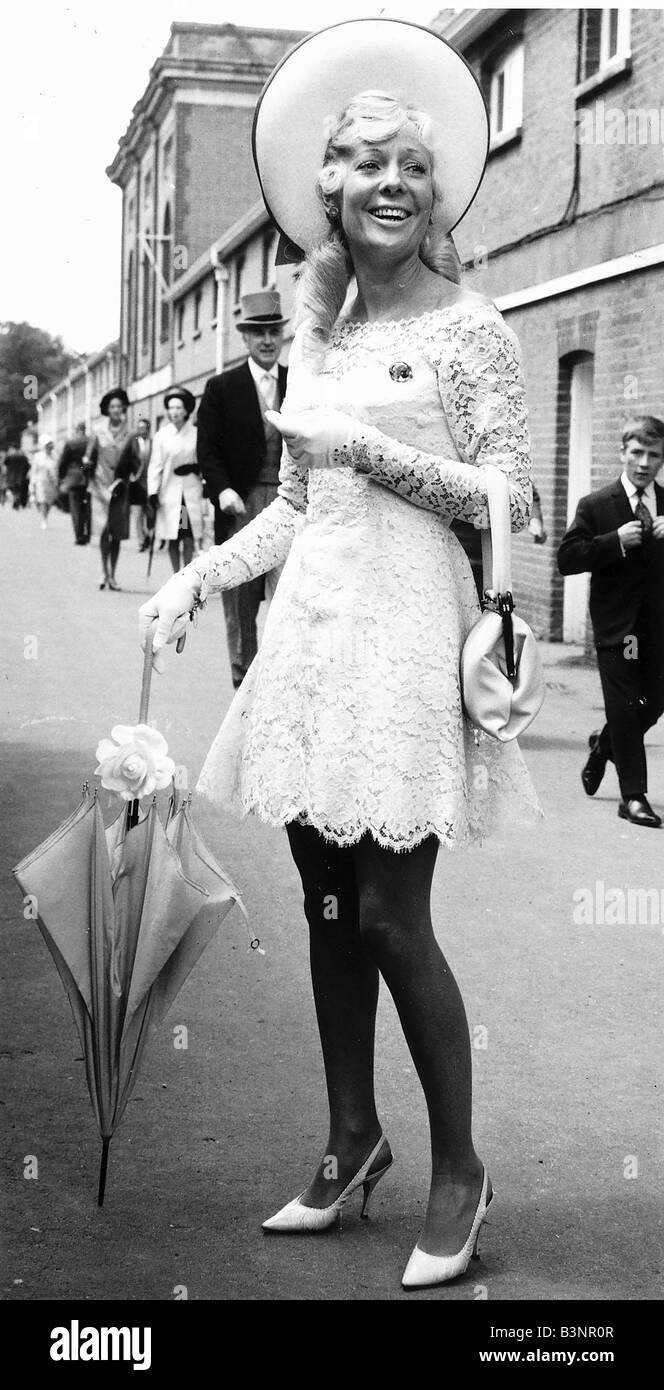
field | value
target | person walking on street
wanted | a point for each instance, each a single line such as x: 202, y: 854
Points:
x: 239, y: 452
x: 72, y: 477
x: 109, y: 494
x: 175, y: 490
x: 44, y: 478
x: 618, y: 536
x: 17, y: 472
x: 133, y: 463
x: 348, y: 728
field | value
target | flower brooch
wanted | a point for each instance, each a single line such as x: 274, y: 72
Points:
x: 400, y: 371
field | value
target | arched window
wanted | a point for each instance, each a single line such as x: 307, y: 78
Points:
x: 166, y: 269
x: 239, y: 267
x: 131, y: 306
x: 145, y: 300
x: 267, y: 263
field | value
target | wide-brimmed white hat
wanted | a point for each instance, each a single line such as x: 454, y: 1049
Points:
x: 318, y: 78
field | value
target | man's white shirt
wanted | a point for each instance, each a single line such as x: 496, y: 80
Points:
x: 266, y: 383
x: 647, y: 496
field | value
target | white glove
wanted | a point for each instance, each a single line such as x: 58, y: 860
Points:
x: 317, y: 438
x: 169, y: 608
x: 231, y: 502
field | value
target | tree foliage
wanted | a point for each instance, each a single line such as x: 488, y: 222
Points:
x: 31, y: 362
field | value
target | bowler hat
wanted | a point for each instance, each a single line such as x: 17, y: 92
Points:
x: 180, y: 393
x: 314, y: 83
x: 118, y: 393
x: 261, y: 309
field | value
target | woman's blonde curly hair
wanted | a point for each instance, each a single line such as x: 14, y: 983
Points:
x: 372, y: 117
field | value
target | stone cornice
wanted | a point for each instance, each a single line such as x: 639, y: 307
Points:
x: 171, y: 71
x: 464, y: 27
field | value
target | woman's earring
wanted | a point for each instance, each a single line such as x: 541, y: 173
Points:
x: 332, y: 213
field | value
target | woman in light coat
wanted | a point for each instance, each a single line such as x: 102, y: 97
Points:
x: 44, y: 478
x: 174, y: 484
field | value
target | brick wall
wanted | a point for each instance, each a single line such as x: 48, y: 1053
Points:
x: 610, y: 171
x: 622, y: 323
x: 527, y: 184
x: 215, y: 178
x: 517, y: 196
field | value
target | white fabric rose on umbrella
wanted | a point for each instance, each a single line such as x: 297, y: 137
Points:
x: 134, y: 762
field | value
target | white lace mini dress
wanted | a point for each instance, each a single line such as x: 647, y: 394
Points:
x: 350, y: 717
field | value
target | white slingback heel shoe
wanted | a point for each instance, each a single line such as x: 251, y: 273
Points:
x: 423, y: 1270
x: 296, y: 1217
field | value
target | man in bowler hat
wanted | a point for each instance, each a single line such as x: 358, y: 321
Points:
x: 618, y: 535
x: 239, y: 454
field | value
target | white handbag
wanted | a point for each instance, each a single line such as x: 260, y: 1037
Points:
x: 502, y: 680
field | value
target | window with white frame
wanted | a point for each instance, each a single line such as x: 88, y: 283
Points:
x: 167, y: 161
x: 605, y: 37
x: 237, y: 286
x: 266, y: 269
x: 506, y: 91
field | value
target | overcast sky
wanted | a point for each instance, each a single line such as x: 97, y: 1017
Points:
x: 71, y: 73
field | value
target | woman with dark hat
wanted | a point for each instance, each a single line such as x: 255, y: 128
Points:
x: 109, y: 496
x: 175, y: 489
x: 348, y: 728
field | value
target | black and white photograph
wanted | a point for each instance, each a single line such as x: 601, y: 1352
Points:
x: 332, y: 557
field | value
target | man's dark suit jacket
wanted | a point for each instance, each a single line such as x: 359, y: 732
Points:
x: 70, y: 468
x: 133, y: 468
x: 231, y: 437
x: 619, y: 583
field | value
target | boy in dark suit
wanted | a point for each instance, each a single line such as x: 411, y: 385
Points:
x: 239, y: 454
x: 618, y: 535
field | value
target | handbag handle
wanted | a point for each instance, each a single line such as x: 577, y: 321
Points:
x: 497, y: 542
x: 497, y: 557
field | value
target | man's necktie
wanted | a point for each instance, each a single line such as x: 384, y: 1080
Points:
x: 267, y: 385
x: 642, y: 513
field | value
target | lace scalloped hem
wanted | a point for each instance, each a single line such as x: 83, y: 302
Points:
x: 398, y: 840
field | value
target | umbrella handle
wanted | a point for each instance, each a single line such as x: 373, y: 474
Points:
x: 147, y: 675
x: 134, y: 807
x: 145, y: 684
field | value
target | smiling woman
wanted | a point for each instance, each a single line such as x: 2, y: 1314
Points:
x: 348, y: 728
x: 379, y: 164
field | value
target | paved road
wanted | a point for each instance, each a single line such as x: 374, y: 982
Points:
x: 567, y: 1014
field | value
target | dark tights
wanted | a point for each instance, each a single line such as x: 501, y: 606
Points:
x: 187, y: 543
x: 368, y: 911
x: 110, y: 549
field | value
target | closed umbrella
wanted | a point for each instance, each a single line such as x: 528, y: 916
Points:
x: 125, y: 912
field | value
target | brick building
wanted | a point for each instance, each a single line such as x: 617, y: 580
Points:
x: 186, y: 173
x: 206, y: 298
x: 567, y: 236
x: 76, y: 398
